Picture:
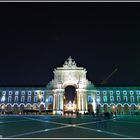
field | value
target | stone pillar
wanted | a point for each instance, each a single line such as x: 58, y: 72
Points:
x: 54, y: 103
x: 78, y: 101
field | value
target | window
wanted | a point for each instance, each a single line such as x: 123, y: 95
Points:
x: 16, y: 92
x: 98, y: 92
x: 42, y: 99
x: 105, y: 98
x: 138, y: 92
x: 3, y: 99
x: 89, y: 99
x: 124, y: 92
x: 50, y: 99
x: 138, y: 98
x: 132, y: 98
x: 111, y: 92
x: 22, y: 92
x: 9, y: 99
x: 42, y: 92
x: 125, y: 98
x: 118, y: 92
x: 10, y: 92
x: 104, y: 92
x: 16, y: 99
x: 29, y: 99
x: 3, y: 92
x: 118, y: 98
x: 35, y: 93
x: 131, y: 92
x: 29, y: 92
x: 98, y: 98
x: 35, y: 99
x: 112, y: 98
x: 22, y: 99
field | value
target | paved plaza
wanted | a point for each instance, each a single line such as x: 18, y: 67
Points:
x: 49, y: 126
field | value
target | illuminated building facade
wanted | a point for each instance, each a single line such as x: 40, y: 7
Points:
x: 88, y: 98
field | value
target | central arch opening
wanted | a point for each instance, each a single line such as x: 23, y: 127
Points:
x: 70, y: 99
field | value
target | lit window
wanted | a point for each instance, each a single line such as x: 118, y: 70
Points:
x: 124, y: 92
x: 29, y: 99
x: 98, y: 98
x: 3, y: 99
x: 111, y: 98
x: 125, y: 98
x: 132, y: 98
x: 111, y: 92
x: 29, y: 92
x: 89, y: 99
x: 118, y: 98
x: 50, y: 99
x: 35, y: 93
x: 10, y: 92
x: 104, y: 92
x: 42, y: 92
x: 98, y: 92
x: 105, y: 98
x: 16, y: 99
x: 9, y: 99
x: 131, y: 92
x: 3, y: 92
x: 118, y: 92
x: 22, y: 92
x: 16, y: 92
x: 42, y: 99
x: 22, y: 99
x: 35, y: 99
x: 138, y: 98
x: 138, y: 92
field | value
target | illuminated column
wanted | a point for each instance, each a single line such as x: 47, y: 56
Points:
x: 78, y: 101
x: 94, y: 103
x: 86, y: 104
x: 61, y: 101
x: 54, y: 103
x: 82, y: 102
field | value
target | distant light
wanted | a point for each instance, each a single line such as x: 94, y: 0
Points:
x: 2, y: 107
x: 47, y: 100
x: 3, y: 98
x: 98, y: 100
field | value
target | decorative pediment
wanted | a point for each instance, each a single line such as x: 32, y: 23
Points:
x: 69, y: 63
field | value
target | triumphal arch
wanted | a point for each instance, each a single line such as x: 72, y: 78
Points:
x: 70, y: 75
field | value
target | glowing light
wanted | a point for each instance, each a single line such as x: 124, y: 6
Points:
x: 113, y: 107
x: 98, y: 100
x: 3, y: 98
x: 39, y: 95
x: 2, y: 107
x: 47, y: 100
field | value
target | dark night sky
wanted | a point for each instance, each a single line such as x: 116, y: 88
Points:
x: 35, y: 38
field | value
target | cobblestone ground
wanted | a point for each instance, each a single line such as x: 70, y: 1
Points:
x: 47, y: 126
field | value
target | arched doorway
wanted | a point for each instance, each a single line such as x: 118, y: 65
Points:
x: 21, y: 107
x: 90, y: 108
x: 105, y: 107
x: 126, y: 109
x: 15, y: 109
x: 28, y: 107
x: 112, y: 108
x: 50, y: 107
x: 9, y: 108
x: 35, y: 107
x: 70, y: 99
x: 119, y: 109
x: 42, y: 107
x: 99, y: 108
x: 133, y: 108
